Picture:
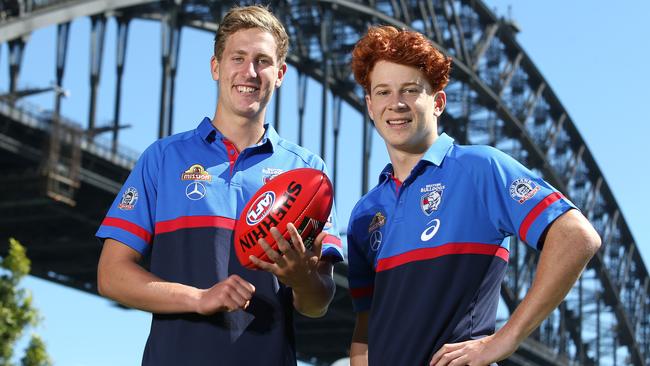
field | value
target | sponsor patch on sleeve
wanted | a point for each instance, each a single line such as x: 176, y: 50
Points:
x: 377, y: 221
x: 523, y: 189
x: 129, y: 199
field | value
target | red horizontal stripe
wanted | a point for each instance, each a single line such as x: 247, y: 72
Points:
x: 187, y: 222
x: 447, y: 249
x: 361, y: 292
x: 128, y: 226
x: 331, y: 239
x: 535, y: 212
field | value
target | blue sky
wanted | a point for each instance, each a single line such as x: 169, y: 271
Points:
x: 593, y: 54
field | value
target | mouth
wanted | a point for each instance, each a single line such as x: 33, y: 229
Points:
x: 243, y: 89
x: 398, y: 122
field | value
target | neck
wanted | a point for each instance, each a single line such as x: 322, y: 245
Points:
x: 404, y: 160
x: 403, y: 163
x: 241, y: 131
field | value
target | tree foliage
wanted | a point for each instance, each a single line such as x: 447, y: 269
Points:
x: 16, y: 310
x: 35, y: 354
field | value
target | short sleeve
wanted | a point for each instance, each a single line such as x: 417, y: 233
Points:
x: 332, y: 246
x: 361, y: 274
x: 519, y: 202
x: 130, y: 219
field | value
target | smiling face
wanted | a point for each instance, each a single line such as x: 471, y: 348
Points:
x: 248, y: 72
x: 404, y: 107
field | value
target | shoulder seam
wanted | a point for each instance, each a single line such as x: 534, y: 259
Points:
x: 281, y: 143
x: 473, y: 179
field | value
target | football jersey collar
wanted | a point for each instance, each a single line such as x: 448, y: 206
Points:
x: 207, y: 131
x: 437, y: 152
x: 210, y: 134
x: 435, y: 155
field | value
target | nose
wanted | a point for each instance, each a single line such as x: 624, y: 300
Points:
x: 397, y: 103
x: 251, y: 70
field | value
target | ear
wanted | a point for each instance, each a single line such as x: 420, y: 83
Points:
x: 282, y: 70
x: 369, y: 107
x: 214, y: 68
x: 439, y: 103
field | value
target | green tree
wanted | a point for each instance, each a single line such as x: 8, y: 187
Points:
x: 16, y: 311
x: 35, y: 354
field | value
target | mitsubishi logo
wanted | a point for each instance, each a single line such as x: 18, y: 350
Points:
x: 195, y: 191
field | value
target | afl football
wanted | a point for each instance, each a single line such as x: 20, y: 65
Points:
x: 301, y: 196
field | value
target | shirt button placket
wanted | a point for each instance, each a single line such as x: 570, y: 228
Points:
x: 400, y: 203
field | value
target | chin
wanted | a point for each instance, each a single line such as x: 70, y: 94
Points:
x: 248, y: 113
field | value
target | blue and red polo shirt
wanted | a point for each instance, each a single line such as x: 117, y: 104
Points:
x: 179, y: 207
x: 427, y: 257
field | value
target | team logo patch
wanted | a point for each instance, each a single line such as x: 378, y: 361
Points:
x: 377, y: 221
x: 431, y: 198
x: 523, y: 189
x: 260, y: 208
x: 195, y: 191
x: 196, y: 172
x: 270, y: 173
x: 129, y: 198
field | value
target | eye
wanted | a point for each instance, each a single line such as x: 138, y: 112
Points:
x: 238, y: 59
x: 381, y: 92
x: 264, y: 61
x: 412, y: 91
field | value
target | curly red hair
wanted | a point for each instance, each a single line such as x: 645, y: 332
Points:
x: 401, y: 47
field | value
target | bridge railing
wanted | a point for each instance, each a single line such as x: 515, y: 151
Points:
x: 39, y: 118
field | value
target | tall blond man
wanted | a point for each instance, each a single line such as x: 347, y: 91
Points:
x: 179, y: 206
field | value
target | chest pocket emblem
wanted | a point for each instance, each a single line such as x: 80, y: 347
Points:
x: 431, y: 198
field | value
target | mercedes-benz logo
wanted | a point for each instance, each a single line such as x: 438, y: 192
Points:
x: 195, y: 191
x: 375, y: 240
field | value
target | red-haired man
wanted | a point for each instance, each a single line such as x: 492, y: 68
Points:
x: 428, y: 247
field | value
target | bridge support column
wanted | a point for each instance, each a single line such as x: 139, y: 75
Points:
x: 325, y: 27
x: 62, y: 165
x: 97, y: 37
x: 336, y: 119
x: 16, y: 48
x: 122, y: 37
x: 302, y: 94
x: 367, y: 148
x: 170, y: 44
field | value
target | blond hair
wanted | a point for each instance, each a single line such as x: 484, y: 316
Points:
x: 247, y: 17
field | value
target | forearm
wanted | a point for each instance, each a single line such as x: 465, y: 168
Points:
x: 358, y: 354
x: 359, y: 346
x: 131, y: 285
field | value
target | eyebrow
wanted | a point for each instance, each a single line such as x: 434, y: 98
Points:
x: 258, y: 55
x: 410, y: 83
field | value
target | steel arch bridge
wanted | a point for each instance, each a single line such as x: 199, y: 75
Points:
x: 497, y: 97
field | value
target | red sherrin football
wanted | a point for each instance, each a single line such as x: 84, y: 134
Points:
x: 302, y: 196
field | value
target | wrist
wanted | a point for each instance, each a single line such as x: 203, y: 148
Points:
x: 309, y: 283
x: 510, y: 335
x: 193, y: 300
